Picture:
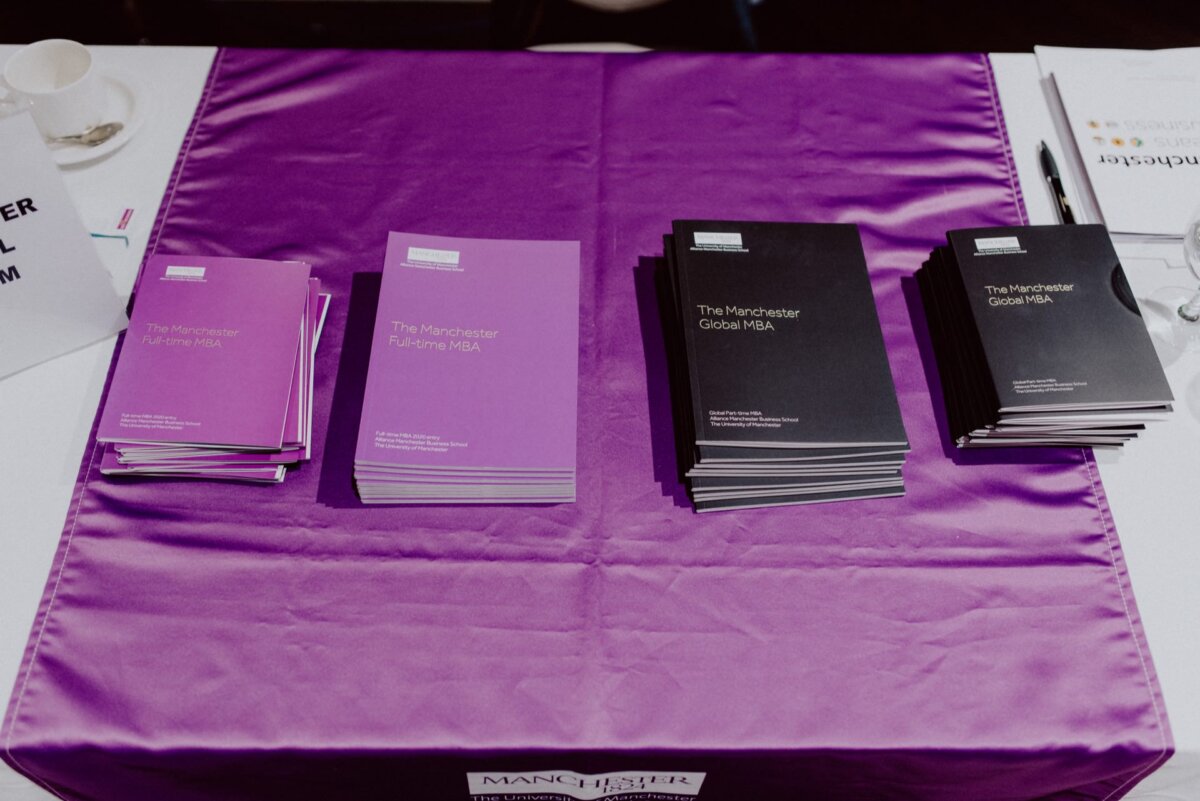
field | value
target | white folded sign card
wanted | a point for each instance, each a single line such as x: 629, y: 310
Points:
x: 55, y: 295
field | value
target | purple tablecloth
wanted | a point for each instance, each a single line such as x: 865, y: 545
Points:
x: 976, y: 639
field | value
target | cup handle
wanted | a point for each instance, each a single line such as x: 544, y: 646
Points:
x: 11, y: 101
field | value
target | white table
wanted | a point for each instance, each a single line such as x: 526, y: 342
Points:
x: 1152, y: 484
x: 46, y: 412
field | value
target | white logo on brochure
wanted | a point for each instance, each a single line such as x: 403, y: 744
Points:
x: 175, y: 271
x: 433, y: 256
x: 997, y: 243
x: 184, y: 273
x: 713, y: 238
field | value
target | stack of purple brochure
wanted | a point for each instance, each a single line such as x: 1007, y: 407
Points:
x: 473, y: 381
x: 215, y: 376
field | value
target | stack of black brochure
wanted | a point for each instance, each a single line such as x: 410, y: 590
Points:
x: 782, y: 389
x: 1039, y: 340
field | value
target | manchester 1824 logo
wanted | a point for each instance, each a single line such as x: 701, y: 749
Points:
x: 628, y: 785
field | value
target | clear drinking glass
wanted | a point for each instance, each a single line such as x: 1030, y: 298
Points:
x: 1173, y: 313
x: 1190, y: 311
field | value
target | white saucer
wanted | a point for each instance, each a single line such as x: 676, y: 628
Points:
x: 128, y: 102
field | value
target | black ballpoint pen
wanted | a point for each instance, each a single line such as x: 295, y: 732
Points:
x: 1050, y: 170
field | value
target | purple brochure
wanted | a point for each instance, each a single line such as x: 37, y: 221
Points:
x: 271, y: 474
x: 314, y: 340
x: 474, y: 360
x: 210, y: 353
x: 293, y: 428
x: 210, y: 458
x: 298, y: 412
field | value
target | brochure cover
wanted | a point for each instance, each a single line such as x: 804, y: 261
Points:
x: 783, y: 344
x: 213, y: 463
x: 210, y: 353
x: 1133, y: 117
x: 55, y: 295
x: 474, y: 359
x: 1058, y: 325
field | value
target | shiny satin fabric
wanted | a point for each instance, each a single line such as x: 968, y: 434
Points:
x: 975, y: 639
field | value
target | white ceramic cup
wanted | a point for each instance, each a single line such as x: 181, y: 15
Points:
x: 59, y: 83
